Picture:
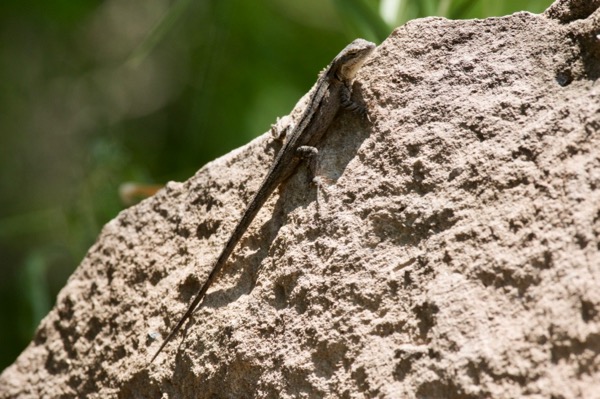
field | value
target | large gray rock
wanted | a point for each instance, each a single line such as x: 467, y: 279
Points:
x: 451, y: 251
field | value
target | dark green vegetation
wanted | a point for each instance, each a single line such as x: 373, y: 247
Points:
x: 94, y: 94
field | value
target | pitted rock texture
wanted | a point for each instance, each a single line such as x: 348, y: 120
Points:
x: 451, y: 250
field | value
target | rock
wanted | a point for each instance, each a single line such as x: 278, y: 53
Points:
x: 450, y: 251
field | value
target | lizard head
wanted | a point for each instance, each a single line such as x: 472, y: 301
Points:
x: 351, y: 58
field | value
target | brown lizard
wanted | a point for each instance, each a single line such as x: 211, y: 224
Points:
x: 332, y: 91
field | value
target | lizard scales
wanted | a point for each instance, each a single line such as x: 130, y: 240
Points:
x: 332, y: 91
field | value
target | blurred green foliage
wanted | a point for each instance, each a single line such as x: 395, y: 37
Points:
x: 97, y: 93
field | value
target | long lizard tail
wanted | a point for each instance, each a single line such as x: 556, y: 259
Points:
x: 187, y: 314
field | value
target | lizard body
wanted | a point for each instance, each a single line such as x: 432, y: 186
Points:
x: 332, y: 91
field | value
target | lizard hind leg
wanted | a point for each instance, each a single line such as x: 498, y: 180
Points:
x: 310, y: 155
x: 281, y: 128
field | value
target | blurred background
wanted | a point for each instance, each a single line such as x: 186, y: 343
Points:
x: 95, y: 94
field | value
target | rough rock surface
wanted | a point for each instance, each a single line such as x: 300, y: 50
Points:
x: 452, y: 251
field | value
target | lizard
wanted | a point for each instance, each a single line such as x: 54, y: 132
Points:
x: 331, y: 92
